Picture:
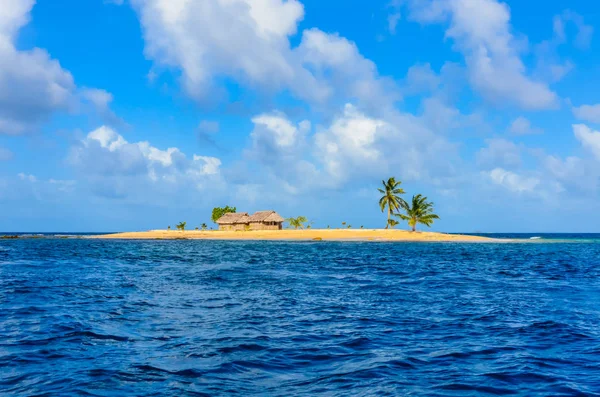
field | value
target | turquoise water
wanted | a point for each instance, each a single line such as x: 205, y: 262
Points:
x: 114, y: 318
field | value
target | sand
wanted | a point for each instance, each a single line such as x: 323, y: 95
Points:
x: 310, y: 234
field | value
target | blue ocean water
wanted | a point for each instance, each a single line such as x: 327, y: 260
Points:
x: 206, y: 318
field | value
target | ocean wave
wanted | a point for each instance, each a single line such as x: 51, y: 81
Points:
x: 87, y: 317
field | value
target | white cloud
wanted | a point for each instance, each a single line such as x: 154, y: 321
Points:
x: 584, y: 32
x: 357, y: 145
x: 574, y: 175
x: 32, y: 85
x: 109, y: 160
x: 278, y: 130
x: 255, y: 50
x: 522, y: 126
x: 281, y: 146
x: 589, y: 138
x: 421, y: 78
x: 481, y: 31
x: 27, y: 177
x: 512, y: 181
x: 499, y: 153
x: 351, y: 141
x: 589, y: 113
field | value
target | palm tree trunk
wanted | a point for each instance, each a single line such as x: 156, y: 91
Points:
x: 387, y: 226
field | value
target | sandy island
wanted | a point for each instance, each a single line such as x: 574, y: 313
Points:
x: 307, y: 234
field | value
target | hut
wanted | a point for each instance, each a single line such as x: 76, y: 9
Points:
x: 261, y: 220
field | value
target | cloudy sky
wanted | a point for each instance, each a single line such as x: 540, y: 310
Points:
x: 137, y: 114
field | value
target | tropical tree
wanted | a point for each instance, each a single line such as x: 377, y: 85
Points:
x: 218, y: 212
x: 181, y: 226
x: 168, y: 227
x: 391, y: 198
x: 204, y: 226
x: 297, y: 223
x: 419, y: 211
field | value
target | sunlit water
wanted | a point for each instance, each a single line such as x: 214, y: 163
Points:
x: 115, y: 318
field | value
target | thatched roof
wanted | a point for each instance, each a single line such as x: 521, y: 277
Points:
x: 231, y: 218
x: 242, y: 217
x: 266, y: 216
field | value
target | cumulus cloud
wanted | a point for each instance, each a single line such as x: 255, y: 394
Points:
x: 522, y: 126
x: 421, y: 78
x: 584, y: 34
x: 512, y: 181
x: 589, y: 113
x: 358, y: 145
x: 281, y: 147
x: 110, y: 161
x: 482, y: 33
x: 255, y: 50
x: 499, y: 153
x: 588, y: 138
x: 32, y: 85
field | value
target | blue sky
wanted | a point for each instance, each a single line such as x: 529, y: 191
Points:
x: 132, y: 115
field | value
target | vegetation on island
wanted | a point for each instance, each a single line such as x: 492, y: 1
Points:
x: 418, y: 211
x: 218, y: 212
x: 391, y: 198
x: 297, y: 223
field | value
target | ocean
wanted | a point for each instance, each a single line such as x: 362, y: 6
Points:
x: 209, y: 318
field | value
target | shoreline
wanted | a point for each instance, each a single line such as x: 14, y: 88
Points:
x: 299, y: 235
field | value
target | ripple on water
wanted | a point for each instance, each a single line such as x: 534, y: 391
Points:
x: 91, y: 317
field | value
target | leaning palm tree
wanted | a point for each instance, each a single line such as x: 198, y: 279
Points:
x: 420, y: 211
x: 391, y: 198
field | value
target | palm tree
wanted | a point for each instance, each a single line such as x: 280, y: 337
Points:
x: 204, y: 226
x: 391, y: 199
x: 420, y: 211
x: 181, y: 226
x: 297, y: 222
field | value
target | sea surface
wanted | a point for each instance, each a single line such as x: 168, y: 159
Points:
x: 209, y: 318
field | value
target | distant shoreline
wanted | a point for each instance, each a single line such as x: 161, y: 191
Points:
x: 300, y: 235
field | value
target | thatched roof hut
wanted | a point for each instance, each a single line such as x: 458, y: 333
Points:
x: 231, y: 218
x: 261, y: 220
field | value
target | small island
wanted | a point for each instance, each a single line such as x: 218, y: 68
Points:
x: 268, y: 225
x: 300, y: 234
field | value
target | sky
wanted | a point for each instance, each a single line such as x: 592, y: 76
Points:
x: 123, y: 115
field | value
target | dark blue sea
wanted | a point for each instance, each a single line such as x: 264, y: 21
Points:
x: 81, y: 317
